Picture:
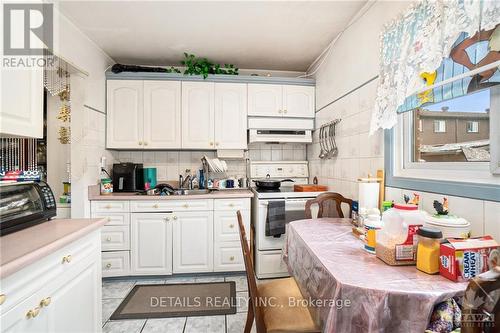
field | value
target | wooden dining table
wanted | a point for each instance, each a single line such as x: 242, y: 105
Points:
x: 351, y: 290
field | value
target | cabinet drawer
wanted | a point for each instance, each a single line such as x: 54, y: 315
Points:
x: 232, y: 204
x: 109, y: 206
x: 171, y: 205
x: 270, y: 264
x: 115, y: 237
x: 226, y: 225
x: 115, y: 263
x: 229, y: 257
x: 28, y: 280
x: 113, y: 218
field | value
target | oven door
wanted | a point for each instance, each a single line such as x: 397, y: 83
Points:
x: 294, y: 210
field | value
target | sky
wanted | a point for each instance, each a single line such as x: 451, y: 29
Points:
x: 476, y: 102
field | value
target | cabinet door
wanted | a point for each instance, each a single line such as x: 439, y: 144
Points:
x: 124, y: 114
x: 16, y: 320
x: 198, y: 115
x: 21, y: 109
x: 162, y: 114
x: 151, y: 244
x: 230, y: 116
x: 265, y: 100
x: 193, y: 242
x: 76, y: 304
x: 298, y: 101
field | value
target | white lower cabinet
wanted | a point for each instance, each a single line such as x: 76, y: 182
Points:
x: 151, y: 243
x: 115, y: 263
x: 227, y: 253
x: 52, y: 296
x: 193, y: 242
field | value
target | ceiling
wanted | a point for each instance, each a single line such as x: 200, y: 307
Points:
x: 273, y: 35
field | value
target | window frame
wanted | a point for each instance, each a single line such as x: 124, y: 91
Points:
x: 478, y: 180
x: 439, y: 122
x: 474, y: 129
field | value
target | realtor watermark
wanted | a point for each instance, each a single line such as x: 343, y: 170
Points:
x: 28, y: 31
x: 219, y: 302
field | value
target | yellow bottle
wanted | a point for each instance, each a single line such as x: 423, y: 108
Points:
x: 429, y: 240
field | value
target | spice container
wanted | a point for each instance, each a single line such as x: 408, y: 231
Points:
x: 106, y: 186
x: 397, y: 240
x: 371, y: 225
x: 429, y: 241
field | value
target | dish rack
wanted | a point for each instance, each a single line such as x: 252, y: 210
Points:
x: 211, y: 174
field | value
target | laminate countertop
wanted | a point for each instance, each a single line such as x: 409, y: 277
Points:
x: 94, y: 194
x: 22, y: 248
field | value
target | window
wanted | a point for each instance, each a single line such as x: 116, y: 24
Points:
x: 455, y: 138
x: 439, y: 126
x: 473, y: 127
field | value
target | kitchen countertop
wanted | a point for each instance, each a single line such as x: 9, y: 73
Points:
x: 22, y: 248
x: 94, y: 194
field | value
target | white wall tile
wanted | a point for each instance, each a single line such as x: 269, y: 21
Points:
x: 492, y: 219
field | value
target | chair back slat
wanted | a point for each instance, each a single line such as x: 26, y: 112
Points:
x: 254, y: 300
x: 329, y: 205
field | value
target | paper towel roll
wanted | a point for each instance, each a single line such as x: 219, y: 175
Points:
x: 368, y: 195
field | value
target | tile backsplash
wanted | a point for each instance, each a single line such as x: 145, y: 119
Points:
x: 170, y: 164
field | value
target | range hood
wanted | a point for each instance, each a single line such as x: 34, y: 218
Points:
x: 266, y: 129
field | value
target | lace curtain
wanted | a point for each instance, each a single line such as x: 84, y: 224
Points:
x: 417, y: 42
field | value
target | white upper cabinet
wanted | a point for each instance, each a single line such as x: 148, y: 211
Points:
x: 298, y: 101
x: 162, y: 114
x: 270, y: 100
x: 193, y: 242
x: 125, y: 114
x: 230, y: 116
x: 21, y: 109
x: 151, y: 244
x: 198, y: 115
x: 265, y: 100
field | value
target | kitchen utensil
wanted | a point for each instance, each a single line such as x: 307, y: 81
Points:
x: 322, y: 152
x: 309, y: 188
x: 269, y: 184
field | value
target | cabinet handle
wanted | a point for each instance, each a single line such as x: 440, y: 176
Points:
x: 285, y: 111
x: 140, y: 143
x: 66, y: 259
x: 231, y: 205
x: 231, y: 258
x: 279, y: 111
x: 155, y: 206
x: 145, y: 143
x: 108, y: 219
x: 231, y: 226
x: 186, y: 206
x: 108, y: 239
x: 167, y: 219
x: 108, y: 266
x: 2, y: 298
x: 45, y: 302
x: 216, y: 143
x: 175, y: 217
x: 33, y: 313
x: 107, y: 206
x: 211, y: 143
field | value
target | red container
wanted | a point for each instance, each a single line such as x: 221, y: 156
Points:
x: 463, y: 259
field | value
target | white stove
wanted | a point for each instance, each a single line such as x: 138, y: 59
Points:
x: 268, y: 249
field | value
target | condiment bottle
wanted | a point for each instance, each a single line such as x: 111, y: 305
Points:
x: 429, y: 240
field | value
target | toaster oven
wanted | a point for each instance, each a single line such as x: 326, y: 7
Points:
x: 24, y: 204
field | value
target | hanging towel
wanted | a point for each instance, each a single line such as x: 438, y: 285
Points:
x: 275, y: 221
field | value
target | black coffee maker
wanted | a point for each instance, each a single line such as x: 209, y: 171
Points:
x: 128, y: 177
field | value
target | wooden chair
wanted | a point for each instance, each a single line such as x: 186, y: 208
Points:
x: 480, y: 289
x: 268, y: 302
x: 329, y: 205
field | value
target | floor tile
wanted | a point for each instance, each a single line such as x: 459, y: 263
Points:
x: 210, y: 324
x: 241, y: 282
x: 108, y: 307
x: 187, y: 279
x: 116, y: 289
x: 236, y: 323
x: 165, y: 325
x: 150, y: 281
x: 209, y: 279
x: 123, y: 326
x: 242, y: 301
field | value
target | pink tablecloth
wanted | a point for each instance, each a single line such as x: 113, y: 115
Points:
x: 329, y: 264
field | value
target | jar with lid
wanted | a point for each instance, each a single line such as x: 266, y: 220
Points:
x: 397, y: 240
x: 429, y: 241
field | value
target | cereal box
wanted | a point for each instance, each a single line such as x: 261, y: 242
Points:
x: 463, y: 259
